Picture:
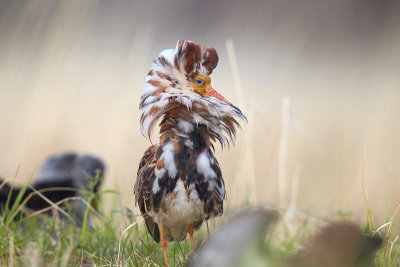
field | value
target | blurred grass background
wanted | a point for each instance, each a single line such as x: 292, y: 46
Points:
x: 71, y: 74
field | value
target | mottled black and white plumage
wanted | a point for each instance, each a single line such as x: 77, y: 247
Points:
x: 179, y: 182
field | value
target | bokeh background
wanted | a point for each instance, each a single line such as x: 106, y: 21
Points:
x: 71, y: 74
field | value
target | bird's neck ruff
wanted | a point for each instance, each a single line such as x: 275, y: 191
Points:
x: 168, y: 96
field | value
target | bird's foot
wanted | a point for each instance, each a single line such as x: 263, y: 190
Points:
x: 191, y: 232
x: 164, y: 245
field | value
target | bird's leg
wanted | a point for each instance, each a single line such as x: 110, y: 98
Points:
x: 191, y: 231
x: 164, y: 245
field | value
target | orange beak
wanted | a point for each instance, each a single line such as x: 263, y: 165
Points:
x: 215, y: 94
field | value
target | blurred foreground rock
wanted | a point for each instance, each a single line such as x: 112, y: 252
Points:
x: 241, y: 242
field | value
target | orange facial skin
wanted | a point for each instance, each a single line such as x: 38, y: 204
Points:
x: 202, y: 85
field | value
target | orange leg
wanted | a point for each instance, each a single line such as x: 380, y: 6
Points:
x: 164, y: 245
x: 191, y: 231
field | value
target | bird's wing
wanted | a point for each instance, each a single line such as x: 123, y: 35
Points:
x: 143, y: 189
x: 215, y: 206
x: 211, y: 191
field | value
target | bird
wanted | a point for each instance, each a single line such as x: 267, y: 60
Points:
x: 60, y: 177
x: 179, y: 183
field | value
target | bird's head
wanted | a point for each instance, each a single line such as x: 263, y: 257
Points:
x: 180, y: 81
x: 202, y: 86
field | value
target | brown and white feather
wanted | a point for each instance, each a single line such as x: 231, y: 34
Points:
x: 179, y: 181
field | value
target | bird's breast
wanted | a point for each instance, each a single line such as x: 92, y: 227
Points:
x: 179, y: 209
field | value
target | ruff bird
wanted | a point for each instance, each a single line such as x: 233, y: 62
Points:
x: 179, y: 182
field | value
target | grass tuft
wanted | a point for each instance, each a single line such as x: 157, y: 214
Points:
x: 118, y: 237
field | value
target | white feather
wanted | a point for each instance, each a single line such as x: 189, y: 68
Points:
x: 169, y: 55
x: 156, y: 186
x: 159, y: 172
x: 169, y: 159
x: 144, y: 127
x: 161, y: 103
x: 148, y: 89
x: 185, y: 101
x: 197, y: 119
x: 185, y: 126
x: 204, y: 167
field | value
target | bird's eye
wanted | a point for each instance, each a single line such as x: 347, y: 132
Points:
x: 199, y: 81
